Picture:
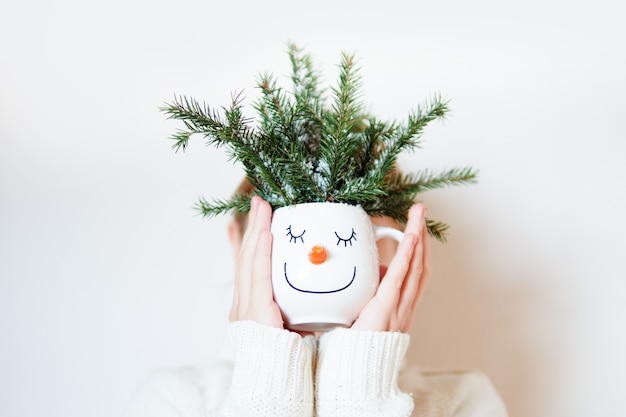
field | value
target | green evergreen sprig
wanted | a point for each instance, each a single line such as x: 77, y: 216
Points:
x: 301, y: 149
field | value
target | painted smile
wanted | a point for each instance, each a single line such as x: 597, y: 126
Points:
x: 319, y: 292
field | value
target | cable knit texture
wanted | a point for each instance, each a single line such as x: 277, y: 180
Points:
x: 272, y: 374
x: 356, y: 374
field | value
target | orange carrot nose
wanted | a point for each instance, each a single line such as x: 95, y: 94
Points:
x: 317, y: 255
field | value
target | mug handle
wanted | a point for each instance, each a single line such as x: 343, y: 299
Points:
x: 385, y: 231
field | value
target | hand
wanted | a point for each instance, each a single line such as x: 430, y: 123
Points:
x: 253, y: 296
x: 393, y: 306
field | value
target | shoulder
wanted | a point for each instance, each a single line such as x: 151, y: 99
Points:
x: 453, y: 393
x: 188, y: 391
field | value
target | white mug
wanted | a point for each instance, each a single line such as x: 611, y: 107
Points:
x: 324, y: 263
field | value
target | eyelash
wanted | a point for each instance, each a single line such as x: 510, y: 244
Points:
x: 293, y: 238
x: 346, y: 241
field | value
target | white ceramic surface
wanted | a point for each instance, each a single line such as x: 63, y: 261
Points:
x: 322, y: 295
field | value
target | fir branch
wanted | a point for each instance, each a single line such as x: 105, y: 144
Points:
x: 272, y: 107
x: 282, y: 146
x: 386, y: 152
x: 302, y: 151
x: 438, y: 230
x: 197, y: 118
x: 236, y: 204
x: 337, y: 143
x: 304, y: 77
x: 242, y: 143
x: 417, y: 182
x: 360, y: 190
x: 409, y: 135
x: 309, y: 103
x: 399, y: 138
x: 395, y: 206
x: 201, y: 119
x: 346, y: 108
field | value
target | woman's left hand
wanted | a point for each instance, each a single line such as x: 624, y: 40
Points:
x: 253, y: 296
x: 393, y: 306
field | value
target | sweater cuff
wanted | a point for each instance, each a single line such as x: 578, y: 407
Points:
x: 359, y: 370
x: 273, y: 367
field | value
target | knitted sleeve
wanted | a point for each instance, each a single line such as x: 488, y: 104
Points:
x: 272, y: 376
x: 273, y: 373
x: 357, y: 374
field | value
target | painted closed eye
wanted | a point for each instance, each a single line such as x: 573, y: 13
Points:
x: 294, y: 237
x: 346, y: 241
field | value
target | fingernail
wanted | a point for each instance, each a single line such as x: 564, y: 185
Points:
x: 422, y: 212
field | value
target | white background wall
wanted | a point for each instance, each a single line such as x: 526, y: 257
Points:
x: 106, y: 272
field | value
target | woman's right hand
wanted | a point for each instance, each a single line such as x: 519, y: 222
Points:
x: 253, y: 296
x: 393, y: 306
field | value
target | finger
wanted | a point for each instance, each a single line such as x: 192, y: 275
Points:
x: 263, y: 218
x: 409, y: 294
x: 415, y: 219
x: 404, y: 254
x: 261, y: 284
x: 424, y: 276
x: 390, y: 286
x: 251, y: 216
x: 234, y: 308
x: 261, y: 271
x: 416, y: 222
x: 244, y: 258
x: 412, y: 229
x: 249, y: 237
x: 427, y: 264
x: 260, y: 216
x: 234, y: 231
x: 411, y: 282
x: 260, y: 248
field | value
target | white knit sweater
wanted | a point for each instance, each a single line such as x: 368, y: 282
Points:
x: 346, y: 373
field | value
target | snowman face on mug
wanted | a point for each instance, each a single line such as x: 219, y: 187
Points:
x: 319, y: 258
x: 325, y: 262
